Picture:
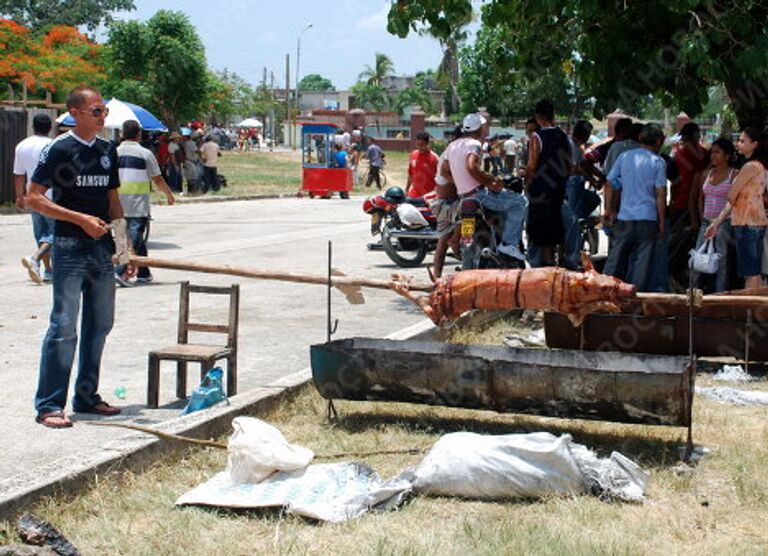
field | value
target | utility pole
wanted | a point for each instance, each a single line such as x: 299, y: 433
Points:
x: 307, y: 27
x: 272, y: 114
x: 288, y: 138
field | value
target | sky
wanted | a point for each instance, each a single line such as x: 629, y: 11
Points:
x: 245, y: 36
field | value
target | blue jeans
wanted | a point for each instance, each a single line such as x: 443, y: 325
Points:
x: 514, y: 207
x: 749, y: 249
x: 136, y: 226
x: 572, y: 245
x: 175, y: 178
x: 42, y: 228
x: 81, y: 268
x: 658, y: 275
x: 633, y: 243
x: 581, y: 201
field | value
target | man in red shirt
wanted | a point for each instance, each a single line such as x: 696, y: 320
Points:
x: 691, y: 159
x: 422, y: 167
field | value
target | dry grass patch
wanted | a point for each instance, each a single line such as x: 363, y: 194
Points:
x: 719, y: 508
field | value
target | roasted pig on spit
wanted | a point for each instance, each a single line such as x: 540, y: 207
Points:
x: 575, y: 294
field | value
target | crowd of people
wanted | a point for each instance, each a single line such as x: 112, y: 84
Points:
x: 659, y: 202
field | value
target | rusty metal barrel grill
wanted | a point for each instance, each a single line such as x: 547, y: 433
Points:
x: 612, y: 386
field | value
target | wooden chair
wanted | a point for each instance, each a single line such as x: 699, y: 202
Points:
x: 183, y: 352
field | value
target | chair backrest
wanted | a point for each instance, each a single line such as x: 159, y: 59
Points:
x: 230, y: 329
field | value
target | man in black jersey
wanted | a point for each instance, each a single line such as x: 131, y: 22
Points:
x: 81, y: 169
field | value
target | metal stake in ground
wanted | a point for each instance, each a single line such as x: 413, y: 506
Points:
x: 330, y: 328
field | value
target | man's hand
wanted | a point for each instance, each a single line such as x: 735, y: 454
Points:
x: 661, y: 228
x: 93, y: 226
x: 170, y: 198
x: 21, y: 202
x: 130, y: 270
x: 711, y: 230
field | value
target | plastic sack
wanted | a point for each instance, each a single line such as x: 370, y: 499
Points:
x: 209, y: 393
x: 257, y: 449
x: 410, y: 216
x: 704, y: 259
x: 496, y: 467
x: 531, y: 465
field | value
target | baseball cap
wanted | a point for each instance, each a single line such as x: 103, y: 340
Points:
x: 472, y: 122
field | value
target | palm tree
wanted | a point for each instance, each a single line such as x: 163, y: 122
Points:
x: 382, y: 69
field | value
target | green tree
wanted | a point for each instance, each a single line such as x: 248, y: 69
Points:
x: 315, y: 82
x: 160, y: 65
x: 416, y: 95
x: 37, y: 14
x: 230, y: 95
x: 381, y: 69
x: 621, y: 52
x: 370, y: 96
x: 514, y: 92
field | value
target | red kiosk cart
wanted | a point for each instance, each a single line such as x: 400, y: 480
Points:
x: 320, y: 176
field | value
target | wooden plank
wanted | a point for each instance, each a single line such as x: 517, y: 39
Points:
x: 202, y: 327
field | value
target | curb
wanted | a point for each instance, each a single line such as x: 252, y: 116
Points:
x: 136, y: 450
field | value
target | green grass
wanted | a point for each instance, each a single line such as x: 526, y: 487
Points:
x: 279, y: 173
x: 718, y: 509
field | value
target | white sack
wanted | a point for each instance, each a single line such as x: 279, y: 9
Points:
x: 531, y: 465
x: 492, y: 467
x: 410, y: 216
x: 257, y: 449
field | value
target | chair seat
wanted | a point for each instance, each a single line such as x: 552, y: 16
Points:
x: 191, y: 352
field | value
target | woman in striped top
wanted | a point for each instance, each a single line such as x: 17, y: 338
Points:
x: 712, y: 199
x: 745, y: 205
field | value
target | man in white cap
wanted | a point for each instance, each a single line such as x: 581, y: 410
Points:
x: 464, y: 157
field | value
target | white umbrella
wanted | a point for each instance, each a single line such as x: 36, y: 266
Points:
x: 250, y: 122
x: 120, y: 112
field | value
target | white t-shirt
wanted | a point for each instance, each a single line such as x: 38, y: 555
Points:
x: 457, y: 154
x: 210, y: 153
x: 27, y: 154
x: 510, y: 146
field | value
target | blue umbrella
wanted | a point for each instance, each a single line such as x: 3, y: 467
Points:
x: 119, y: 112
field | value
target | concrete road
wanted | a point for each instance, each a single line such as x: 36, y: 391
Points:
x: 278, y: 321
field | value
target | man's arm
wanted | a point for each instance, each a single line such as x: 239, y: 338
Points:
x: 115, y: 206
x: 533, y: 159
x: 37, y: 201
x: 20, y: 185
x: 162, y: 186
x: 473, y: 167
x: 608, y: 210
x: 661, y: 207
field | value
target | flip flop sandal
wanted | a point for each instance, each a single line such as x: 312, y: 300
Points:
x: 45, y: 419
x: 102, y: 408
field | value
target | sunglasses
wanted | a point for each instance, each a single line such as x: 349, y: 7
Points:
x: 97, y: 112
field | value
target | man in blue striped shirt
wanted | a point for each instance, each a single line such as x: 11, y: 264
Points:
x: 137, y: 167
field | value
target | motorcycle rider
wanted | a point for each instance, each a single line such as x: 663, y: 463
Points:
x: 464, y: 157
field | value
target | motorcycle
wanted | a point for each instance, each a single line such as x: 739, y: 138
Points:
x: 407, y: 227
x: 481, y: 233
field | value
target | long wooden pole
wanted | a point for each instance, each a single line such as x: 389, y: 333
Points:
x: 246, y: 272
x: 346, y: 282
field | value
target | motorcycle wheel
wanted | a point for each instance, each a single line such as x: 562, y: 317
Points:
x: 403, y: 256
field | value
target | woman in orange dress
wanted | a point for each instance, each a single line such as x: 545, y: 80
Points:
x: 745, y: 206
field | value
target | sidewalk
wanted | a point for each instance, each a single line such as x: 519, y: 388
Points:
x: 278, y: 321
